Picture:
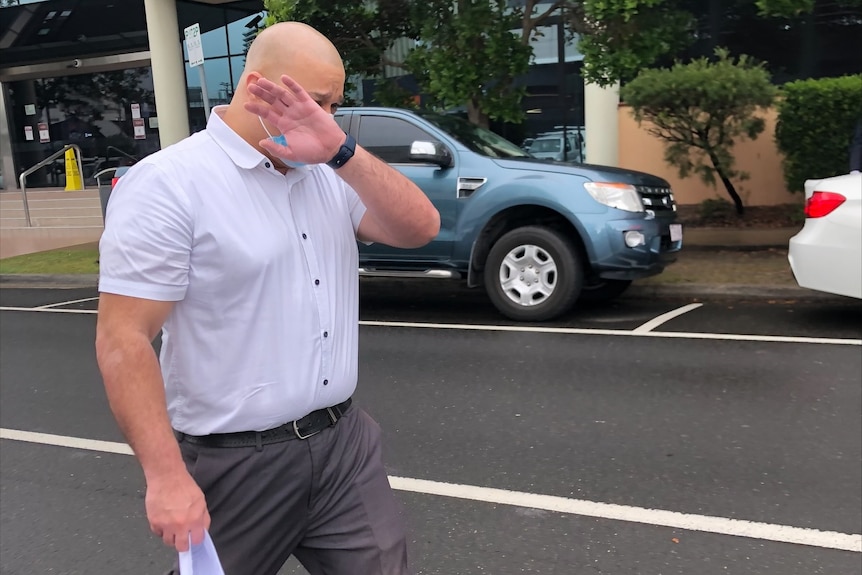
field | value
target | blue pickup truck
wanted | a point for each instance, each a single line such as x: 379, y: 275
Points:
x: 539, y: 235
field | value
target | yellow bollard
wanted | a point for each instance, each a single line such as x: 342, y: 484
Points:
x: 73, y: 176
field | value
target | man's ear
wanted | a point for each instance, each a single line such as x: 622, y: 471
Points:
x: 251, y: 78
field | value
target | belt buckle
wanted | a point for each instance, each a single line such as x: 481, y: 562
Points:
x: 299, y: 434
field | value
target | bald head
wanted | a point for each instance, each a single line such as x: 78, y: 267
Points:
x: 302, y: 53
x: 286, y: 46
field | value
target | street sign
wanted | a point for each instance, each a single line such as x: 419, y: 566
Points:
x: 194, y: 46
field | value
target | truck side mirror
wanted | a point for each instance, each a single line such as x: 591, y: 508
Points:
x: 431, y: 153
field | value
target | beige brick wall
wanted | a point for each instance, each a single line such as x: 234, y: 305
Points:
x: 760, y: 158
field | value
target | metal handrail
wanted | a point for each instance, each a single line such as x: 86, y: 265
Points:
x: 109, y: 148
x: 101, y: 173
x: 22, y: 178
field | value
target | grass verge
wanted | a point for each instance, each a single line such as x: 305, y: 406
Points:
x: 82, y: 259
x: 693, y: 266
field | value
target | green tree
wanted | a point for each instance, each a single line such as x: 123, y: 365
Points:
x: 618, y: 38
x: 795, y: 7
x: 363, y: 32
x: 700, y: 110
x: 621, y: 37
x: 470, y: 56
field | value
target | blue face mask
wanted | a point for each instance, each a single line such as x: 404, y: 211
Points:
x: 281, y: 141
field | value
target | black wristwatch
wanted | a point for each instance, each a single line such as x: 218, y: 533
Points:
x: 344, y: 153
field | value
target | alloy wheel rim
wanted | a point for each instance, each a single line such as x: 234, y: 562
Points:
x: 528, y: 275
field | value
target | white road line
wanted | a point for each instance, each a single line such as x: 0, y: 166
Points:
x: 557, y: 330
x: 64, y: 441
x: 658, y: 517
x: 51, y: 305
x: 37, y: 309
x: 665, y: 317
x: 623, y: 332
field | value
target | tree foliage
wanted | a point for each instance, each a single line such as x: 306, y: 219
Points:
x: 469, y: 55
x: 815, y: 123
x: 363, y: 32
x: 700, y: 110
x: 789, y: 8
x: 621, y: 37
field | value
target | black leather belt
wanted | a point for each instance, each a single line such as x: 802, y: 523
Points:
x: 310, y: 425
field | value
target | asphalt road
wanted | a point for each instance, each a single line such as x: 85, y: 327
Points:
x: 651, y: 436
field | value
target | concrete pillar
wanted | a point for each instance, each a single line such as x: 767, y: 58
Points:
x: 7, y: 163
x: 602, y: 124
x: 169, y: 82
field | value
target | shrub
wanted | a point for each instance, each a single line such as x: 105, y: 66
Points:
x: 700, y: 109
x: 815, y: 123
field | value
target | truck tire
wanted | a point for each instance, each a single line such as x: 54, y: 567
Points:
x: 600, y: 290
x: 533, y: 274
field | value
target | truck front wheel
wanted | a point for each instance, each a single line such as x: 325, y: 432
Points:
x: 533, y: 274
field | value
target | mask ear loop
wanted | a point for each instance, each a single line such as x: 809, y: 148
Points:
x: 262, y: 125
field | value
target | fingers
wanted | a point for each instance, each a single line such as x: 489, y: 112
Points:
x: 270, y: 93
x: 277, y: 150
x: 180, y: 540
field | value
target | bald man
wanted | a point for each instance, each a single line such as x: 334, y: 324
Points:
x: 238, y: 244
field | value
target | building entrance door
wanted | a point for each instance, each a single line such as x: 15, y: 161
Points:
x: 110, y: 115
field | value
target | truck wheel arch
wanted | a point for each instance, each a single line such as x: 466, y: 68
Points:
x: 510, y: 219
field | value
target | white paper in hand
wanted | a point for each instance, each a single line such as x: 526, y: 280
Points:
x: 200, y: 559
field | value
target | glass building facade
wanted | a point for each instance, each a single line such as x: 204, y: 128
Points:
x: 78, y: 72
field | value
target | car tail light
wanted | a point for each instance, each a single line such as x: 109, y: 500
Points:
x: 114, y: 182
x: 822, y: 203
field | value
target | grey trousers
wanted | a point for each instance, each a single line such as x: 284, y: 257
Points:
x: 326, y: 500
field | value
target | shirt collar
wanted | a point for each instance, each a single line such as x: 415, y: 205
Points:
x: 241, y: 152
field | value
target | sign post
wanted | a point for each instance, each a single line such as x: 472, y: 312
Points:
x: 196, y: 60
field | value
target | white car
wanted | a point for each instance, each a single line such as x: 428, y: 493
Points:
x: 826, y: 254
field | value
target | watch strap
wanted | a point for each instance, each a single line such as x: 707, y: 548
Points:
x: 348, y: 148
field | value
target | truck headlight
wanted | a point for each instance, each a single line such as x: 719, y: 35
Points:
x: 614, y: 195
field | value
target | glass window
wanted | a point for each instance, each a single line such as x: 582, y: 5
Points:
x: 389, y: 139
x: 478, y: 139
x: 242, y: 31
x: 219, y: 89
x: 237, y: 63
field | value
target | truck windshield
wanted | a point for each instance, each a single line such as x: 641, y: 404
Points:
x: 477, y: 139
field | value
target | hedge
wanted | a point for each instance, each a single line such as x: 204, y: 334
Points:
x: 816, y: 119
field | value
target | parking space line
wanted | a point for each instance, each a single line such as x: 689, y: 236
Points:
x: 665, y: 317
x: 50, y: 310
x: 554, y: 330
x: 658, y: 517
x: 52, y: 305
x: 617, y: 332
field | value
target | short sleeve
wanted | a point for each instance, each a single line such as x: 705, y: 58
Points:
x: 357, y: 208
x: 145, y: 248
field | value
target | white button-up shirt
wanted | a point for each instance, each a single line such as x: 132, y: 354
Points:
x: 262, y: 267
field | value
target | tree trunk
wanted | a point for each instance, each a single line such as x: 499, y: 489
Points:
x: 728, y: 185
x: 477, y: 116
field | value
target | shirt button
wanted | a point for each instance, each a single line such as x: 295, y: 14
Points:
x: 266, y: 164
x: 326, y: 334
x: 305, y: 237
x: 317, y: 282
x: 325, y: 382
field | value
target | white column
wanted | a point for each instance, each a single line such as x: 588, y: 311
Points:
x: 10, y: 178
x: 602, y: 124
x: 166, y: 57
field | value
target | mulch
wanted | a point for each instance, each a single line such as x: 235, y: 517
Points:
x: 724, y: 216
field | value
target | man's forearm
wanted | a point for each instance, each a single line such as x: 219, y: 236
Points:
x: 135, y: 391
x: 397, y: 204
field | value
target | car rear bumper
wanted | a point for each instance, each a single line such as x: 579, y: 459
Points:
x: 820, y: 260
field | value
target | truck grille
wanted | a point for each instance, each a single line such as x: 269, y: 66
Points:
x: 657, y: 199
